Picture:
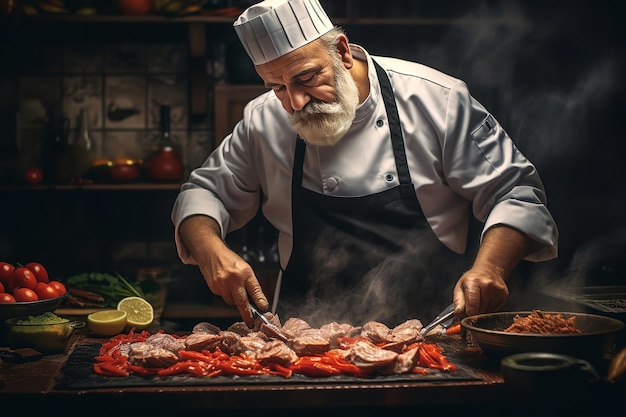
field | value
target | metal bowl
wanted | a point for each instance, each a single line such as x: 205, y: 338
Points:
x: 595, y: 340
x: 48, y: 337
x: 29, y: 308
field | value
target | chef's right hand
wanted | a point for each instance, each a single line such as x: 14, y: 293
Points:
x: 225, y: 272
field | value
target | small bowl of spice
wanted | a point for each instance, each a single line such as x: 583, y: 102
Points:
x: 46, y: 333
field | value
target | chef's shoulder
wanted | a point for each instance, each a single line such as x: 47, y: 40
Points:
x: 403, y: 71
x: 264, y: 130
x: 265, y: 107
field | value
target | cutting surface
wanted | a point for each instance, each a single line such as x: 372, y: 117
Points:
x: 77, y: 373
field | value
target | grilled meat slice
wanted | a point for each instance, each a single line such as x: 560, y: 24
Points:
x: 167, y: 341
x: 310, y: 342
x: 206, y: 327
x: 240, y: 328
x: 369, y: 357
x: 293, y: 327
x: 276, y: 351
x: 404, y: 362
x: 408, y: 332
x: 203, y: 341
x: 229, y: 341
x: 375, y: 332
x: 336, y: 330
x: 403, y: 335
x: 249, y: 345
x: 150, y: 356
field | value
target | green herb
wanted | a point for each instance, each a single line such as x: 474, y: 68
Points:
x: 111, y: 287
x: 44, y: 318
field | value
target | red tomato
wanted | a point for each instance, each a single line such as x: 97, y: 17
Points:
x: 33, y: 175
x: 2, y: 289
x: 134, y: 7
x: 39, y: 271
x: 22, y: 294
x: 45, y: 291
x: 22, y: 277
x: 59, y: 286
x: 6, y: 270
x: 5, y: 297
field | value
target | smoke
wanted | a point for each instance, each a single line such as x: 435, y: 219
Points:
x: 552, y: 75
x: 414, y: 283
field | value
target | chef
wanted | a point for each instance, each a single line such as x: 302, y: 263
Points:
x: 369, y: 168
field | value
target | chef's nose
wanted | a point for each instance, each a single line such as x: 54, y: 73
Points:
x: 298, y: 98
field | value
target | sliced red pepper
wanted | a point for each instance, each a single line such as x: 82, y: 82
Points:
x: 111, y: 369
x: 419, y: 370
x: 216, y: 354
x: 105, y: 358
x: 425, y: 359
x: 143, y: 371
x: 314, y: 366
x: 441, y: 361
x: 186, y: 367
x: 454, y: 329
x: 241, y: 365
x: 277, y: 369
x: 412, y: 346
x: 196, y: 356
x: 343, y: 365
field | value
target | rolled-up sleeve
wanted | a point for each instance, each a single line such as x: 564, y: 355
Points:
x: 482, y: 163
x: 227, y: 172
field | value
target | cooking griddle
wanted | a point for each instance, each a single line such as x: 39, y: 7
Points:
x: 607, y: 299
x: 77, y: 373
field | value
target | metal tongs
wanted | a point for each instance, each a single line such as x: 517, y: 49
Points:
x: 445, y: 315
x: 276, y: 332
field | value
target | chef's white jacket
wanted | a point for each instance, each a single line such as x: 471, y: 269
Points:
x: 457, y: 153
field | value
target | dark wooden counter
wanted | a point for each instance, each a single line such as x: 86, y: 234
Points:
x: 34, y: 383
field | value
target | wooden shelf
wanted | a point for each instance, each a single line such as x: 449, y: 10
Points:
x: 123, y: 19
x: 94, y: 187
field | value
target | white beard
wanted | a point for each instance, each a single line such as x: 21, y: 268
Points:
x: 324, y: 124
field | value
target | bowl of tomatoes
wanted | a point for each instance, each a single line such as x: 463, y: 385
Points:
x: 27, y: 290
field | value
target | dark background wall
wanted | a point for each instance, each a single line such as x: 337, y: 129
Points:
x: 550, y: 72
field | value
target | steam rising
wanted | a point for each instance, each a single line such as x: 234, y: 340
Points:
x: 416, y: 283
x: 552, y: 76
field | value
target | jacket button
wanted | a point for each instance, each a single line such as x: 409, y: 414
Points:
x: 331, y: 184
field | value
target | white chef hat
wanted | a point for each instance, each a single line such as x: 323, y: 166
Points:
x: 273, y: 28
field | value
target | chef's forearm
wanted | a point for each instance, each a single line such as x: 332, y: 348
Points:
x: 199, y: 233
x: 502, y: 248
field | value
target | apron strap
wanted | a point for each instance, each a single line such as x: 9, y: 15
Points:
x: 394, y: 125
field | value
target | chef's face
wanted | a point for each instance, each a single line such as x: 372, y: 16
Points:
x: 314, y: 85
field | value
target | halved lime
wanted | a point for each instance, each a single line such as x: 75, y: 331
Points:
x: 107, y: 322
x: 139, y: 312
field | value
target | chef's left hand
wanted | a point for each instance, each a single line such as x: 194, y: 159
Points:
x: 479, y: 291
x: 482, y: 288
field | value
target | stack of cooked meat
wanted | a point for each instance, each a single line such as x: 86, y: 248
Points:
x: 539, y: 322
x: 371, y: 347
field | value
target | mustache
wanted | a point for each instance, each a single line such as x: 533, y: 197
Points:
x: 314, y: 108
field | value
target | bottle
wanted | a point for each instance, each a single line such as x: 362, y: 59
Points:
x: 57, y: 160
x: 84, y: 148
x: 165, y: 165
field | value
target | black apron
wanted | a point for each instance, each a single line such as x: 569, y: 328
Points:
x: 374, y: 257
